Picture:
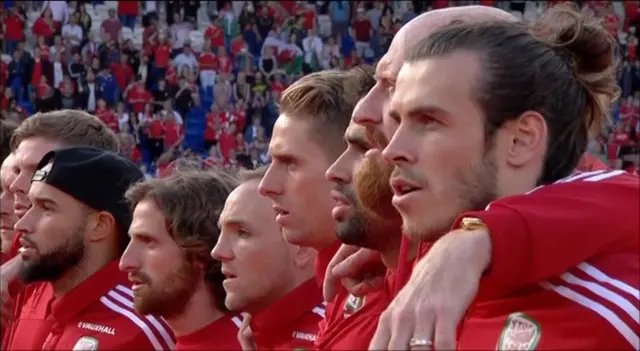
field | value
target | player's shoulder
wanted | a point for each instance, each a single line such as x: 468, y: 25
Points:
x: 133, y: 329
x: 599, y: 177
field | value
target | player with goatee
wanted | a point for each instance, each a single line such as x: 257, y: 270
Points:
x: 174, y: 227
x: 365, y: 218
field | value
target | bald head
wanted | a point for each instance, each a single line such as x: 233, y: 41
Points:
x: 428, y: 22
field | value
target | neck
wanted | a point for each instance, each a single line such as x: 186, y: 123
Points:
x: 199, y: 312
x: 84, y: 269
x: 390, y: 257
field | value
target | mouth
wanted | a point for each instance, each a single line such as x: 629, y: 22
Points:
x: 228, y: 274
x: 340, y: 199
x: 281, y: 213
x: 20, y: 210
x: 402, y: 187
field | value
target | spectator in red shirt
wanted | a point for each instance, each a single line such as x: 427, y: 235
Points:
x: 14, y: 29
x: 122, y: 72
x: 228, y: 140
x: 107, y: 116
x: 224, y: 61
x: 173, y: 132
x: 208, y: 66
x: 363, y: 31
x: 137, y: 96
x: 162, y: 56
x: 111, y: 26
x: 44, y: 25
x: 128, y: 12
x: 214, y: 34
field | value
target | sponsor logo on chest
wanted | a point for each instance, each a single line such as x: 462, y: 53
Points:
x: 86, y: 343
x: 304, y: 336
x: 353, y: 305
x: 97, y: 328
x: 520, y: 332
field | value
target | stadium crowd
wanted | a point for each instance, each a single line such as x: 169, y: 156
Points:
x: 212, y: 98
x: 431, y: 188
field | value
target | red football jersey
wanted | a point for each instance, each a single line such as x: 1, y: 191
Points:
x: 291, y: 322
x: 553, y: 269
x: 350, y: 321
x: 98, y: 314
x: 222, y: 334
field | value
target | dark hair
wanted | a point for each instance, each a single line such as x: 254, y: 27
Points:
x: 7, y: 127
x: 328, y: 99
x: 561, y: 66
x: 191, y: 202
x: 69, y: 127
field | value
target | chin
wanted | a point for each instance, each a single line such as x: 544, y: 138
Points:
x: 294, y: 237
x: 234, y: 303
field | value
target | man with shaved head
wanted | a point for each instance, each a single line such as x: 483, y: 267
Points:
x: 517, y: 251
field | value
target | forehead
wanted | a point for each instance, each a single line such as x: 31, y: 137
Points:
x: 438, y: 81
x: 148, y: 218
x: 31, y: 150
x: 7, y: 172
x: 291, y: 136
x: 245, y: 203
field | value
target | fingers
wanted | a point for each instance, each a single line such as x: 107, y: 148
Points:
x: 445, y: 334
x: 245, y: 334
x: 359, y: 287
x: 353, y: 265
x: 380, y: 340
x: 331, y: 281
x: 402, y: 326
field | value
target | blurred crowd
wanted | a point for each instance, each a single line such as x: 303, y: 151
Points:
x: 199, y: 82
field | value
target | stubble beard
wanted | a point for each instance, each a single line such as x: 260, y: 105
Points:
x: 168, y: 297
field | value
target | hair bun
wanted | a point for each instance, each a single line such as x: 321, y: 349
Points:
x: 581, y: 37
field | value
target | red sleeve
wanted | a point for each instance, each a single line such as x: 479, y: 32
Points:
x: 553, y: 228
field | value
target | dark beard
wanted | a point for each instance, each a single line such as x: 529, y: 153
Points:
x: 168, y: 298
x: 52, y: 265
x: 351, y: 230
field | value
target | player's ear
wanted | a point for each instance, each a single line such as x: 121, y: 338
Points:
x: 304, y: 256
x: 101, y: 226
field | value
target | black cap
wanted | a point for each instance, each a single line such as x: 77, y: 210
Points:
x: 96, y: 177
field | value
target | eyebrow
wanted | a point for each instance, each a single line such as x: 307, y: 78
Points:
x: 414, y: 111
x: 233, y: 221
x: 357, y: 139
x: 44, y: 200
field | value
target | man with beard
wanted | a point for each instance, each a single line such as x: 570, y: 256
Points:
x: 459, y: 149
x: 174, y: 228
x: 72, y: 236
x: 35, y: 137
x: 514, y: 248
x: 365, y: 218
x: 266, y: 277
x: 307, y: 138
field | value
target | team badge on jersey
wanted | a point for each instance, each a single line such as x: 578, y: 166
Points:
x: 353, y: 305
x: 520, y: 332
x: 86, y: 343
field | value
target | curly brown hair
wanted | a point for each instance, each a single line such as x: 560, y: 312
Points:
x: 192, y: 201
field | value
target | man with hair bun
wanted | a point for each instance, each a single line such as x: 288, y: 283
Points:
x: 480, y: 127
